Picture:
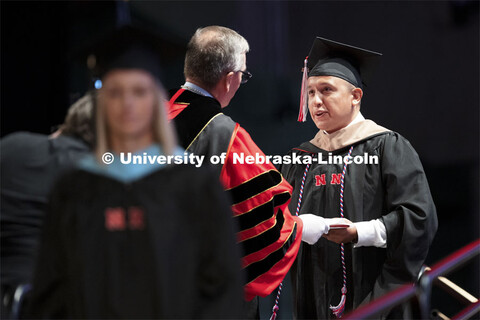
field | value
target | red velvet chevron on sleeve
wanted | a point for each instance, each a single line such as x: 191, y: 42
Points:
x: 270, y: 236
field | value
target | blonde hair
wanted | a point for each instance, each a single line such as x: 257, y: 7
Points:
x: 163, y: 131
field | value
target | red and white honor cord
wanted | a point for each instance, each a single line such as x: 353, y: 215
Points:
x: 338, y: 310
x: 300, y: 196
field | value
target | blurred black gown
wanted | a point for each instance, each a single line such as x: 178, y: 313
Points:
x: 161, y: 245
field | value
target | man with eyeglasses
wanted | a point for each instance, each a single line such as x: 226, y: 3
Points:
x: 215, y: 66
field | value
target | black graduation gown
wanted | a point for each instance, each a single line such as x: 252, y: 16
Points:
x: 101, y: 258
x: 395, y: 191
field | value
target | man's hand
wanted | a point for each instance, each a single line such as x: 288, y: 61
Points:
x: 344, y: 235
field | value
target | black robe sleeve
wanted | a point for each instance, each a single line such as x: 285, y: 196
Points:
x: 411, y: 220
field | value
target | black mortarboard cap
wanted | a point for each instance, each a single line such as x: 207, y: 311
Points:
x: 331, y: 58
x: 126, y: 47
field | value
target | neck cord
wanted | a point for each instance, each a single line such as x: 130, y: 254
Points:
x: 338, y: 310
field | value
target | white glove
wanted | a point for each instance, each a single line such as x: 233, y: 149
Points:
x: 313, y: 227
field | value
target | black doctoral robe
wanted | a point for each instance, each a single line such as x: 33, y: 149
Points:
x: 162, y: 246
x: 268, y: 234
x: 395, y: 191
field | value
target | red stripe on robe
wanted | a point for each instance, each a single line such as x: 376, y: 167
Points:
x: 233, y: 175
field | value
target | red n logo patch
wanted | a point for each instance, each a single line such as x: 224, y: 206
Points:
x: 320, y: 180
x: 115, y: 219
x: 336, y: 178
x: 135, y: 218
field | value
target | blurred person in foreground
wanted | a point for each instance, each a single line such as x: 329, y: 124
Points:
x: 30, y: 163
x: 368, y: 179
x: 136, y: 241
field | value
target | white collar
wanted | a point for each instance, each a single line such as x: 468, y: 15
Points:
x: 196, y: 89
x: 358, y: 118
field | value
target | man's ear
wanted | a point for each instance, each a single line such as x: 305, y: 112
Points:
x: 357, y: 94
x: 228, y: 80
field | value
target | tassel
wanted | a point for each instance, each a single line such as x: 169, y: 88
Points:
x: 274, y: 314
x: 338, y: 310
x: 277, y: 299
x: 302, y: 114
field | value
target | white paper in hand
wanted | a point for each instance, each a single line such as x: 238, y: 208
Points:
x: 337, y: 223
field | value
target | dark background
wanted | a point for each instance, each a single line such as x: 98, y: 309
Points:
x: 426, y: 88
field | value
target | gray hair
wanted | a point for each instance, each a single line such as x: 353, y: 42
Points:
x: 212, y: 52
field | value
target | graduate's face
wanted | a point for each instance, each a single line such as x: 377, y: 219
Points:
x: 128, y: 97
x: 333, y: 102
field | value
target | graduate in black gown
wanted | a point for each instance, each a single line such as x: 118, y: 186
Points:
x: 370, y: 175
x: 136, y: 241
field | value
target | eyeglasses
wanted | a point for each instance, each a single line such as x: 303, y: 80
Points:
x: 245, y: 76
